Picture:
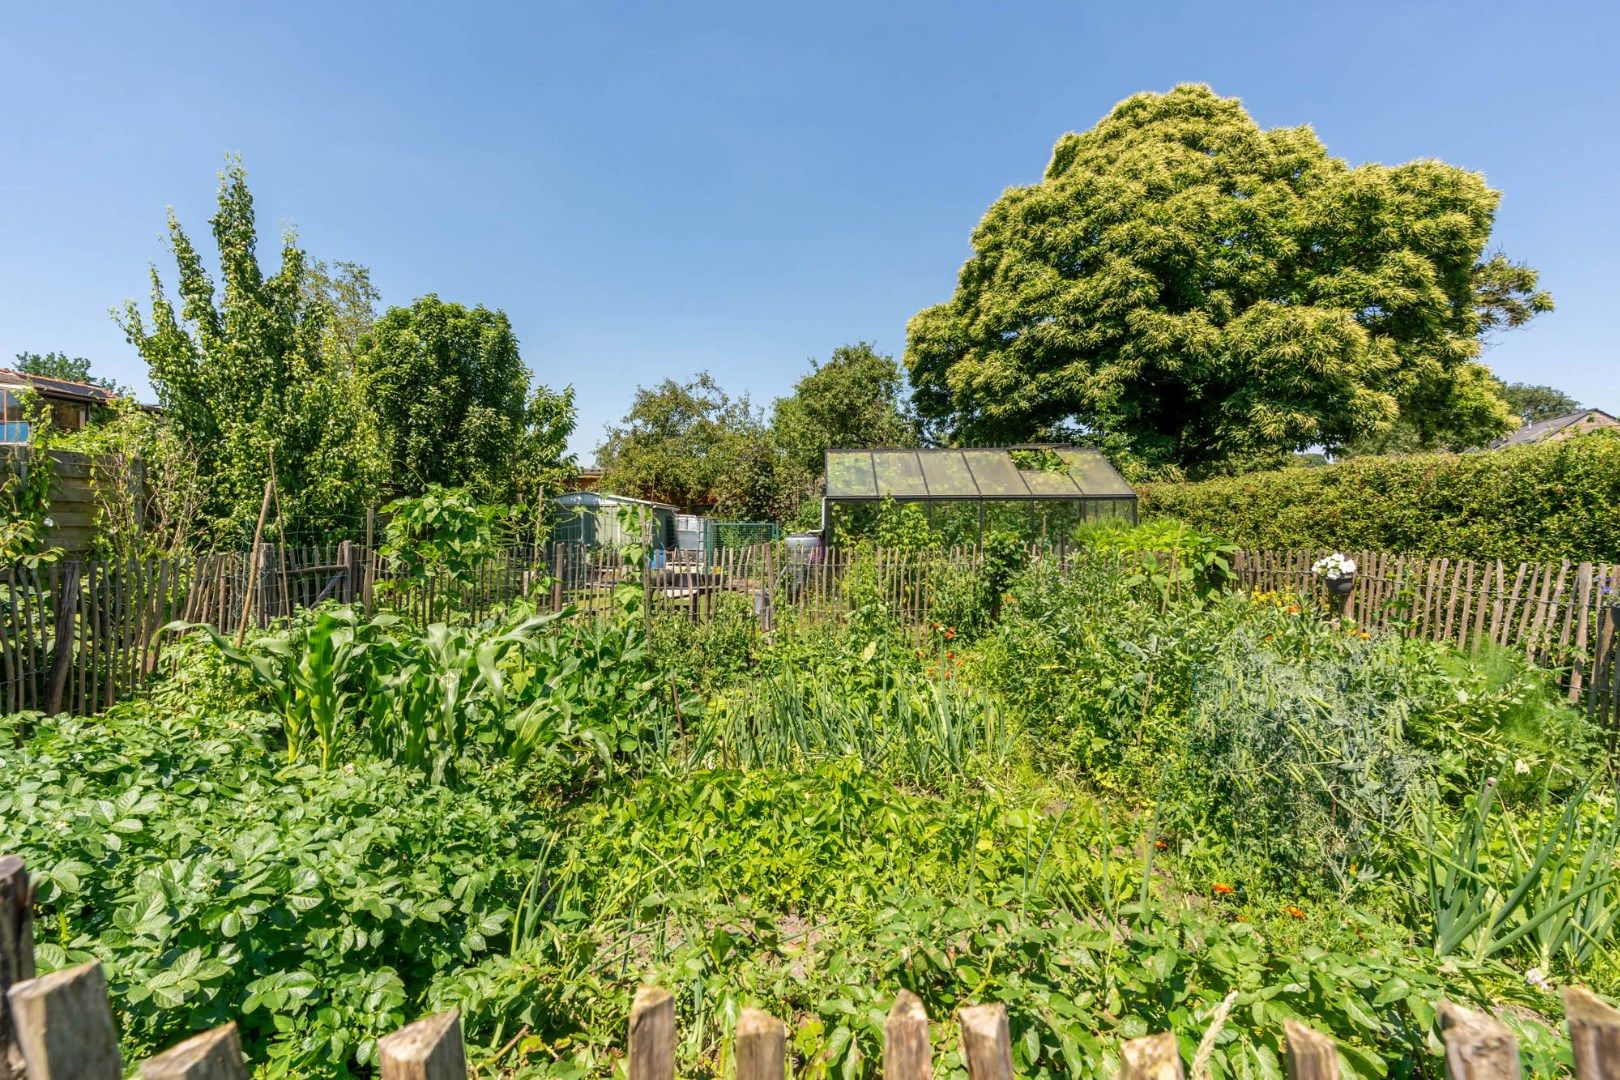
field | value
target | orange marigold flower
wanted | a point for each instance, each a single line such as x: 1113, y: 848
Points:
x: 1223, y: 889
x: 950, y: 633
x: 1293, y: 609
x: 1293, y: 912
x: 950, y: 655
x: 920, y: 654
x: 1160, y: 844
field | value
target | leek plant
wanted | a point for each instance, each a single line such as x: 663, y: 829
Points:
x: 1548, y: 889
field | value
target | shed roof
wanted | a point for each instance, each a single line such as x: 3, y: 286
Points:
x: 56, y: 388
x: 987, y: 474
x: 607, y: 498
x: 1541, y: 429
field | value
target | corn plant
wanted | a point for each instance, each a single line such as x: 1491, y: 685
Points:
x: 309, y: 671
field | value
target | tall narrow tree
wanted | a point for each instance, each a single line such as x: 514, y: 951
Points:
x: 242, y: 371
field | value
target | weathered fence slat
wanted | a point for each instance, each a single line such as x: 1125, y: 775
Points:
x: 212, y: 1055
x: 651, y: 1049
x: 907, y: 1053
x: 427, y: 1049
x: 1154, y: 1057
x: 1594, y: 1035
x: 1311, y: 1055
x: 1478, y: 1047
x: 986, y: 1044
x: 761, y: 1046
x: 64, y: 1025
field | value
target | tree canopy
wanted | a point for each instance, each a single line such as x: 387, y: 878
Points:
x: 1214, y: 296
x: 855, y: 398
x: 245, y: 374
x: 450, y: 394
x: 59, y: 365
x: 677, y: 442
x: 1531, y: 403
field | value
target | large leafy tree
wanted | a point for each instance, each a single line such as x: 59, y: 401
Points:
x: 450, y: 393
x: 694, y: 445
x: 856, y: 398
x: 1532, y: 402
x: 245, y: 375
x: 59, y: 365
x: 1210, y: 295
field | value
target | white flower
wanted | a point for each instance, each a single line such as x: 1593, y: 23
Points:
x: 50, y: 523
x: 1520, y: 767
x: 1537, y: 978
x: 1334, y: 566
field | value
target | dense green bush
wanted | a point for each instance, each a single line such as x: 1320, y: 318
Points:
x: 215, y: 882
x: 1546, y: 501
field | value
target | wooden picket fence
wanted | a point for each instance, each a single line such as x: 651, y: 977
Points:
x: 60, y: 1026
x: 1563, y: 616
x: 77, y: 636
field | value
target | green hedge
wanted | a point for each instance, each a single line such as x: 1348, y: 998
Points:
x: 1547, y: 501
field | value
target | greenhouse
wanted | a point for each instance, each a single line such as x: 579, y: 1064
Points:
x: 963, y: 494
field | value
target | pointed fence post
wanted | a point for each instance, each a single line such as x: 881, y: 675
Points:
x: 761, y: 1046
x: 1154, y: 1057
x: 65, y: 1027
x: 1311, y: 1056
x: 1594, y: 1035
x: 428, y: 1049
x: 16, y: 953
x: 1478, y: 1047
x: 652, y: 1035
x: 213, y: 1055
x: 907, y: 1054
x: 986, y: 1044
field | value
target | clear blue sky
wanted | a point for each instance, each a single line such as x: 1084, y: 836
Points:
x: 655, y: 189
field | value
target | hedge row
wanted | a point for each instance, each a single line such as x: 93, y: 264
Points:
x: 1547, y: 501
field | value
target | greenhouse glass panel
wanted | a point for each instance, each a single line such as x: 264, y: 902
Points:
x: 995, y: 474
x: 1093, y: 472
x: 947, y: 474
x: 850, y: 475
x: 899, y: 474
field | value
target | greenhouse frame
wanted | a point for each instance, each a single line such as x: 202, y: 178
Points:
x: 1036, y: 490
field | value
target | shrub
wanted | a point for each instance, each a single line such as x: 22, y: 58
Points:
x: 215, y: 882
x: 1543, y: 501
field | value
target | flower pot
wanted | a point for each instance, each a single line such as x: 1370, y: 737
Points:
x: 1342, y: 585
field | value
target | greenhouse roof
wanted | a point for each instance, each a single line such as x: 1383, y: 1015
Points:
x: 1057, y: 472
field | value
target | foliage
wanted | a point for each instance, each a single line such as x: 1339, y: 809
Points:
x: 26, y: 474
x: 451, y: 396
x: 441, y: 534
x: 59, y: 365
x: 245, y: 374
x: 711, y: 652
x: 1546, y: 888
x: 145, y: 480
x: 1114, y: 809
x: 1531, y: 402
x: 1549, y: 500
x: 928, y: 731
x: 1220, y: 296
x: 854, y: 399
x: 311, y: 906
x: 693, y: 445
